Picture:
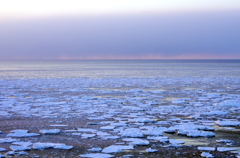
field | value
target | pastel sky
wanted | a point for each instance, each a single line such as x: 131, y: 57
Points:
x: 120, y: 29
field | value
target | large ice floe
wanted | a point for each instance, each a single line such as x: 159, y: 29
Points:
x: 117, y: 117
x: 41, y: 146
x: 21, y: 133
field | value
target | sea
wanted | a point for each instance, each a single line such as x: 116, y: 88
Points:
x: 27, y: 69
x: 120, y: 108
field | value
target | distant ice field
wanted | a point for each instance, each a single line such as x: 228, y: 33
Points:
x: 139, y: 107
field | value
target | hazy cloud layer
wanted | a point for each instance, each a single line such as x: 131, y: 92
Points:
x: 165, y: 35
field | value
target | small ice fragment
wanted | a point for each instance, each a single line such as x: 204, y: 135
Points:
x: 107, y: 127
x: 206, y: 148
x: 95, y: 149
x: 221, y: 149
x: 2, y: 156
x: 214, y: 113
x: 22, y: 153
x: 150, y: 150
x: 26, y: 144
x: 8, y: 140
x: 229, y: 128
x: 195, y: 133
x: 2, y: 149
x: 162, y: 123
x: 132, y: 132
x: 50, y: 131
x: 144, y: 120
x: 206, y: 154
x: 119, y: 124
x: 229, y: 103
x: 92, y: 123
x: 155, y: 131
x: 87, y: 130
x: 76, y: 134
x: 19, y: 148
x: 69, y: 131
x: 227, y: 123
x: 160, y: 139
x: 58, y: 125
x: 41, y: 146
x: 85, y: 135
x: 10, y: 153
x: 206, y: 128
x: 62, y: 146
x: 170, y: 130
x: 109, y: 137
x: 176, y: 145
x: 223, y: 141
x: 175, y: 141
x: 97, y: 155
x: 180, y: 101
x: 136, y: 141
x: 116, y: 148
x: 103, y: 133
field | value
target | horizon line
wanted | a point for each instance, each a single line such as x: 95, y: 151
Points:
x: 111, y: 59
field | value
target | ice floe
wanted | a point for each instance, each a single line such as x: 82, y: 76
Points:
x: 41, y: 146
x: 180, y: 101
x: 50, y: 131
x: 230, y: 103
x: 26, y: 144
x: 97, y: 155
x: 155, y: 131
x: 206, y: 154
x: 160, y: 139
x: 21, y: 133
x: 150, y: 150
x: 191, y: 130
x: 85, y: 135
x: 228, y: 123
x: 132, y: 132
x: 87, y: 130
x: 107, y: 127
x: 206, y: 148
x: 19, y: 148
x: 8, y: 140
x: 58, y: 125
x: 97, y: 149
x: 222, y: 149
x: 136, y: 141
x: 117, y: 148
x: 175, y: 141
x: 214, y: 113
x: 224, y: 141
x: 143, y: 120
x: 2, y: 149
x: 195, y: 133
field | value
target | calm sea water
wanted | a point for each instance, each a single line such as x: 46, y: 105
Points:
x: 118, y: 68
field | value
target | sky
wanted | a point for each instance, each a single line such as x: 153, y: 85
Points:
x: 119, y: 29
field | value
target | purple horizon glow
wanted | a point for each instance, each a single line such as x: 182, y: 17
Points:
x: 185, y: 35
